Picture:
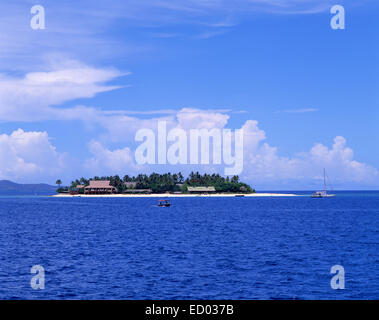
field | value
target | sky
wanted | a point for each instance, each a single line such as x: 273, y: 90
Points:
x: 74, y: 94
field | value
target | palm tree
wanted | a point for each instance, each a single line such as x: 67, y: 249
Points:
x: 58, y: 182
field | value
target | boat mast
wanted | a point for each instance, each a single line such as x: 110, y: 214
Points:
x: 324, y: 181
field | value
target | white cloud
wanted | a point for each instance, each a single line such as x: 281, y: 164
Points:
x: 252, y: 135
x: 121, y: 128
x: 107, y: 162
x: 265, y: 167
x: 210, y: 34
x: 188, y: 118
x: 211, y: 7
x: 340, y: 159
x: 85, y: 28
x: 28, y: 156
x: 263, y: 164
x: 30, y: 98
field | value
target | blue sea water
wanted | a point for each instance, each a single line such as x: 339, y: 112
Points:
x: 199, y: 248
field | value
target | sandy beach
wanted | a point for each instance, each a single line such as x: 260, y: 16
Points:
x: 168, y: 195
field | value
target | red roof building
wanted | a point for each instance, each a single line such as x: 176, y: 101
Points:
x: 99, y: 187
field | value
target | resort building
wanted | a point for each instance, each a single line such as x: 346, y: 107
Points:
x: 78, y: 189
x: 201, y: 189
x: 99, y: 187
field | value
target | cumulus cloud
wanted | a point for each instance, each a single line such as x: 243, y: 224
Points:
x: 107, y: 162
x: 25, y: 156
x: 189, y: 118
x: 264, y: 165
x: 252, y: 135
x: 340, y: 159
x: 120, y: 127
x: 28, y: 156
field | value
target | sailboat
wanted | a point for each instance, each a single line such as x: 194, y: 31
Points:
x: 323, y: 193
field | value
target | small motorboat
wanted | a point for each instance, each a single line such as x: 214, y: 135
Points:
x: 164, y: 203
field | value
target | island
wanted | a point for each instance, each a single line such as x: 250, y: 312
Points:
x: 162, y: 185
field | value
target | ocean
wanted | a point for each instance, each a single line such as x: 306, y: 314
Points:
x: 199, y: 248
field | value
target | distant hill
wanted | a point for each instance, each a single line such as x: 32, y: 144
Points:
x: 11, y: 188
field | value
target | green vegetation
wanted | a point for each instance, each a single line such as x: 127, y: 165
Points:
x: 161, y: 183
x: 60, y: 189
x: 220, y: 183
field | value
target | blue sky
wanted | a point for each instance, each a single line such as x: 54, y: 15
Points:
x: 125, y: 64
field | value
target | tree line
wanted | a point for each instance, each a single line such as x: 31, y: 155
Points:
x: 168, y: 182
